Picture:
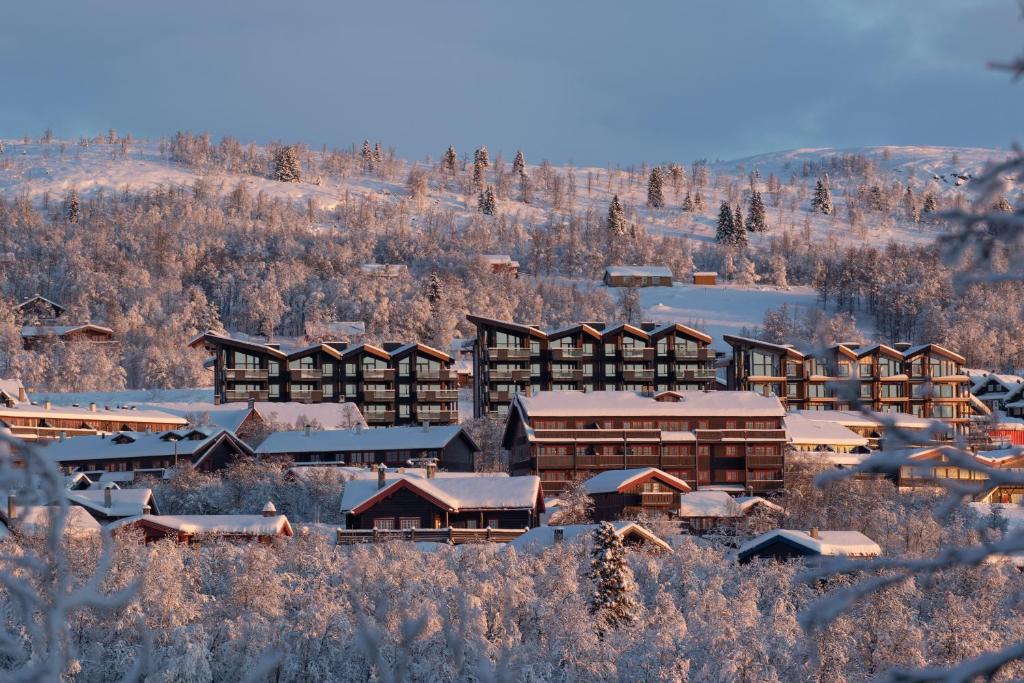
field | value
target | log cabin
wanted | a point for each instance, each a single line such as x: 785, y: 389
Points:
x: 624, y: 494
x: 810, y: 546
x: 632, y: 535
x: 638, y: 276
x: 262, y: 528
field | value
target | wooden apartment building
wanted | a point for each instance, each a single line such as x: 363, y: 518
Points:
x: 732, y: 441
x: 510, y: 359
x: 392, y: 384
x: 926, y: 381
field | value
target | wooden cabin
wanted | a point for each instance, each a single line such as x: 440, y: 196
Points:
x: 623, y: 494
x: 638, y: 276
x: 810, y: 546
x: 263, y: 528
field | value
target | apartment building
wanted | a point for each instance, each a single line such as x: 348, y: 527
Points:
x: 926, y: 381
x: 510, y: 359
x: 392, y: 384
x: 730, y: 441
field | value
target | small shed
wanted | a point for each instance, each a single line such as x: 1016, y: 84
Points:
x: 705, y: 277
x: 638, y: 276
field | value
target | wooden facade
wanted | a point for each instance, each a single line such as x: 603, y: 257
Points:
x: 637, y: 276
x: 396, y: 384
x: 511, y: 359
x: 651, y: 492
x: 42, y: 422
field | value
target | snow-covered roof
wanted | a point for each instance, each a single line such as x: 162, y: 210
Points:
x: 124, y: 502
x: 31, y: 331
x: 234, y: 525
x: 639, y: 271
x: 499, y: 259
x: 613, y: 481
x: 803, y: 431
x: 855, y: 418
x: 359, y: 439
x: 34, y: 520
x: 719, y: 504
x: 482, y: 492
x: 344, y: 329
x: 636, y: 404
x: 227, y: 415
x: 76, y: 413
x: 542, y: 537
x: 134, y: 445
x: 831, y: 543
x: 13, y: 388
x: 41, y: 298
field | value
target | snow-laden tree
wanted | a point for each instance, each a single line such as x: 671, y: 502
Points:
x: 615, y: 224
x: 757, y: 216
x: 450, y: 160
x: 726, y: 224
x: 72, y: 210
x: 822, y: 199
x: 519, y: 164
x: 480, y: 156
x: 613, y: 601
x: 655, y: 189
x: 575, y: 505
x: 486, y: 201
x: 287, y: 167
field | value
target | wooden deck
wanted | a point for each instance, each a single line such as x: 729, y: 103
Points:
x: 452, y: 536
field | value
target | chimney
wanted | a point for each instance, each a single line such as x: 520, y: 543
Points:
x: 63, y: 435
x: 252, y: 403
x: 431, y: 470
x: 381, y: 471
x: 559, y: 534
x: 92, y: 407
x: 426, y: 425
x: 108, y: 497
x: 269, y: 510
x: 22, y: 395
x: 12, y: 506
x: 46, y: 405
x: 814, y: 532
x: 146, y: 510
x: 307, y: 430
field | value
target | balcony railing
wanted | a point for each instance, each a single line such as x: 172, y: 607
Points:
x: 500, y: 395
x: 437, y: 416
x: 638, y: 354
x: 567, y: 375
x: 509, y: 375
x: 237, y: 395
x: 658, y: 498
x: 435, y: 375
x: 708, y: 373
x: 634, y: 375
x: 379, y: 373
x: 314, y: 396
x: 718, y: 435
x: 380, y: 416
x: 379, y: 395
x: 695, y: 354
x: 566, y: 353
x: 507, y: 353
x: 245, y: 373
x: 305, y: 373
x: 435, y: 395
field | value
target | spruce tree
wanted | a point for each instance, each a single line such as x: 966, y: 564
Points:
x: 757, y: 217
x: 487, y: 202
x: 931, y: 205
x: 687, y: 203
x: 479, y: 173
x: 737, y: 221
x: 449, y: 160
x: 71, y: 208
x: 1003, y: 205
x: 286, y: 165
x: 822, y: 200
x: 613, y: 601
x: 482, y: 157
x: 616, y: 223
x: 519, y: 164
x: 725, y: 224
x: 655, y: 191
x: 378, y: 153
x: 698, y: 202
x: 367, y: 156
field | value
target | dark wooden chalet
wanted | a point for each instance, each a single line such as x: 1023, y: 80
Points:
x: 809, y: 546
x: 623, y: 494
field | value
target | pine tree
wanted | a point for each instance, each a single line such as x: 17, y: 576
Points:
x: 616, y: 223
x: 482, y: 157
x: 655, y: 191
x: 487, y: 202
x: 519, y: 164
x: 757, y: 217
x: 479, y: 173
x: 930, y: 205
x: 687, y: 203
x: 286, y: 165
x: 435, y: 295
x: 822, y: 200
x: 737, y: 221
x: 71, y: 208
x: 614, y: 586
x: 367, y: 157
x: 449, y: 160
x: 725, y: 224
x: 378, y: 153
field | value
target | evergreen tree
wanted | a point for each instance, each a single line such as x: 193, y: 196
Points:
x: 367, y: 157
x: 687, y: 203
x: 286, y: 165
x: 613, y: 601
x: 910, y: 206
x: 519, y: 164
x: 930, y: 205
x: 482, y: 157
x: 737, y: 221
x: 487, y: 202
x: 479, y: 172
x: 1003, y: 204
x: 71, y: 208
x: 698, y: 202
x: 724, y: 234
x: 616, y: 223
x: 822, y: 200
x: 449, y: 160
x: 779, y: 276
x: 378, y: 153
x: 655, y: 191
x: 757, y: 217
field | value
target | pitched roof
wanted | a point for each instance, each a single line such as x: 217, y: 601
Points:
x: 138, y: 445
x: 455, y: 494
x: 829, y: 543
x: 719, y: 504
x: 542, y: 537
x: 232, y: 525
x: 635, y: 404
x: 31, y: 331
x: 736, y: 340
x: 42, y: 299
x: 34, y: 520
x: 639, y: 271
x: 73, y: 412
x: 382, y: 439
x: 855, y: 418
x: 124, y: 502
x: 615, y: 481
x: 803, y: 431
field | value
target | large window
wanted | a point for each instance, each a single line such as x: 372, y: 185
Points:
x: 504, y: 340
x: 887, y: 367
x: 888, y: 390
x: 384, y: 523
x: 764, y: 364
x: 246, y: 361
x: 941, y: 367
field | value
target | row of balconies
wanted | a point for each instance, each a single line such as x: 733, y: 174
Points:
x: 576, y: 352
x: 238, y: 374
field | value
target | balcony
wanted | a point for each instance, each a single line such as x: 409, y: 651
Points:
x: 554, y: 461
x: 695, y: 354
x: 500, y: 396
x: 496, y: 353
x: 705, y: 374
x: 379, y: 395
x: 567, y: 353
x: 245, y: 373
x: 437, y: 416
x: 444, y: 375
x: 307, y: 396
x: 305, y: 374
x: 508, y: 376
x: 435, y: 395
x: 719, y: 435
x: 658, y: 498
x: 645, y: 375
x: 241, y: 395
x: 638, y: 354
x: 380, y: 417
x: 567, y: 375
x: 379, y: 374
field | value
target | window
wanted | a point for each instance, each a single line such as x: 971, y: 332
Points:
x: 663, y: 346
x: 733, y: 475
x: 609, y: 348
x: 350, y: 390
x: 865, y: 369
x: 535, y: 369
x: 942, y: 410
x: 403, y: 411
x: 470, y: 523
x: 274, y: 391
x: 403, y: 367
x: 731, y: 451
x: 865, y: 389
x: 384, y: 523
x: 887, y: 367
x: 350, y: 369
x: 246, y: 361
x: 403, y: 390
x: 764, y: 364
x: 793, y: 390
x: 408, y: 522
x: 328, y: 390
x: 494, y: 522
x: 273, y: 368
x: 609, y: 369
x: 844, y: 368
x: 888, y: 390
x: 328, y: 369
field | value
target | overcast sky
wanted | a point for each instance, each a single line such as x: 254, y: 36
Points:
x: 590, y: 82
